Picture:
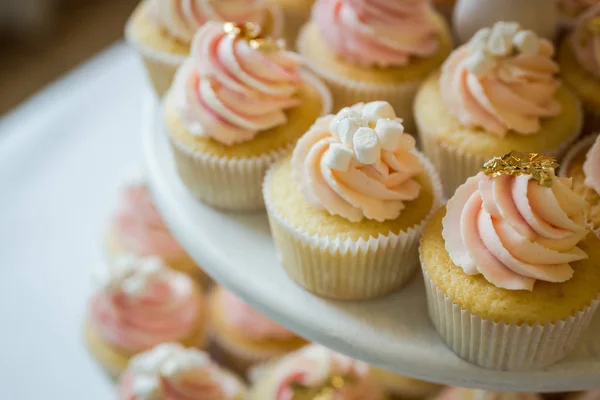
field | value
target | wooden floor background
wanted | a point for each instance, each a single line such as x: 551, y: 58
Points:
x: 80, y: 32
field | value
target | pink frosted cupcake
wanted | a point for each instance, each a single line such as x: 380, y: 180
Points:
x: 592, y: 395
x: 456, y: 393
x: 242, y: 336
x: 138, y: 228
x: 368, y: 50
x: 140, y: 304
x: 172, y: 372
x: 315, y: 372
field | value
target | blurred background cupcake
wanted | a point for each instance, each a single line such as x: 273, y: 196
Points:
x: 295, y: 14
x: 579, y: 60
x: 456, y: 393
x: 570, y: 10
x: 137, y: 227
x: 162, y: 30
x: 369, y: 50
x: 241, y: 336
x: 398, y: 387
x: 141, y: 303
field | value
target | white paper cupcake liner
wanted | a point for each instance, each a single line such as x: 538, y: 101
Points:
x: 347, y: 92
x: 233, y: 183
x: 349, y: 269
x: 502, y: 346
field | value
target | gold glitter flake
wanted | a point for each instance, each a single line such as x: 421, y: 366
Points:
x: 252, y: 33
x: 515, y: 163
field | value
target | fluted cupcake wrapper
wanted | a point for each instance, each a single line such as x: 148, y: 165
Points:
x: 349, y: 269
x: 161, y: 66
x: 347, y: 92
x: 233, y: 183
x: 455, y: 165
x: 502, y: 346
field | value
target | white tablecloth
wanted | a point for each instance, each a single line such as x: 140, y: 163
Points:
x: 62, y: 156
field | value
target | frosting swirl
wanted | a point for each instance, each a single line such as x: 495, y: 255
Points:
x: 311, y: 371
x: 514, y: 231
x: 229, y: 90
x: 142, y: 303
x: 377, y: 32
x: 503, y: 79
x: 591, y: 166
x: 245, y: 318
x: 477, y: 394
x: 585, y: 40
x: 139, y: 228
x: 182, y: 18
x: 358, y: 164
x: 172, y: 372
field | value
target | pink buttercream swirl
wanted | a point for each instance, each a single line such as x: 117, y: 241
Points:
x: 457, y: 393
x: 585, y: 40
x: 140, y: 307
x: 244, y: 318
x: 313, y: 366
x: 503, y: 80
x: 139, y: 228
x: 182, y: 18
x: 230, y: 91
x: 378, y: 32
x: 591, y: 166
x: 376, y: 189
x: 515, y: 231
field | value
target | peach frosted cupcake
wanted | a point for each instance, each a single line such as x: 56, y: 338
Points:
x: 315, y: 372
x: 239, y: 103
x: 511, y: 241
x: 142, y: 303
x: 242, y: 336
x: 347, y: 208
x: 398, y: 387
x: 172, y: 372
x: 369, y: 50
x: 497, y: 93
x: 579, y: 60
x: 162, y: 30
x: 137, y: 228
x: 456, y: 393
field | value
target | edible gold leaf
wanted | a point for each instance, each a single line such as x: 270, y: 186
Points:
x: 516, y: 163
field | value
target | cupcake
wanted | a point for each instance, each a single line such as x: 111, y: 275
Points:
x: 295, y: 14
x: 457, y: 393
x: 347, y: 208
x: 398, y: 387
x: 172, y: 372
x: 496, y: 94
x: 137, y: 228
x: 592, y: 395
x: 579, y: 60
x: 369, y: 50
x: 570, y: 10
x: 241, y: 336
x: 161, y: 30
x: 582, y: 164
x: 509, y: 243
x: 140, y: 304
x: 239, y: 103
x: 315, y: 372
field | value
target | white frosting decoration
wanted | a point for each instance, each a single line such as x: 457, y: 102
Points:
x: 378, y: 109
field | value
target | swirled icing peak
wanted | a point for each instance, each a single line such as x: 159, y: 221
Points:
x: 502, y: 80
x: 234, y: 85
x: 141, y: 302
x: 315, y: 371
x: 514, y: 231
x: 246, y: 319
x: 172, y: 372
x: 358, y: 164
x: 477, y: 394
x: 182, y: 18
x: 585, y: 40
x: 378, y: 32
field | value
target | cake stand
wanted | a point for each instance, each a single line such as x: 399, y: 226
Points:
x: 392, y: 333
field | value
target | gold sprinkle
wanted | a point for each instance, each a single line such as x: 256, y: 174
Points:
x: 252, y: 33
x: 515, y: 163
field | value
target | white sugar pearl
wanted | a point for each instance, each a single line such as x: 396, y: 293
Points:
x: 390, y: 133
x: 378, y: 109
x: 346, y: 129
x: 479, y: 40
x: 338, y: 157
x: 480, y: 63
x: 527, y: 42
x: 366, y: 146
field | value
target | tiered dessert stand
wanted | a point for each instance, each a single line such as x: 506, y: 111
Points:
x: 393, y: 333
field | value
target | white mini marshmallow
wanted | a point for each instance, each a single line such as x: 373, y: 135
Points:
x: 500, y: 41
x: 344, y: 113
x: 390, y: 133
x: 378, y: 109
x: 479, y: 40
x: 338, y: 157
x: 366, y: 146
x: 134, y: 285
x: 145, y: 387
x: 527, y: 42
x: 346, y: 128
x: 480, y: 63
